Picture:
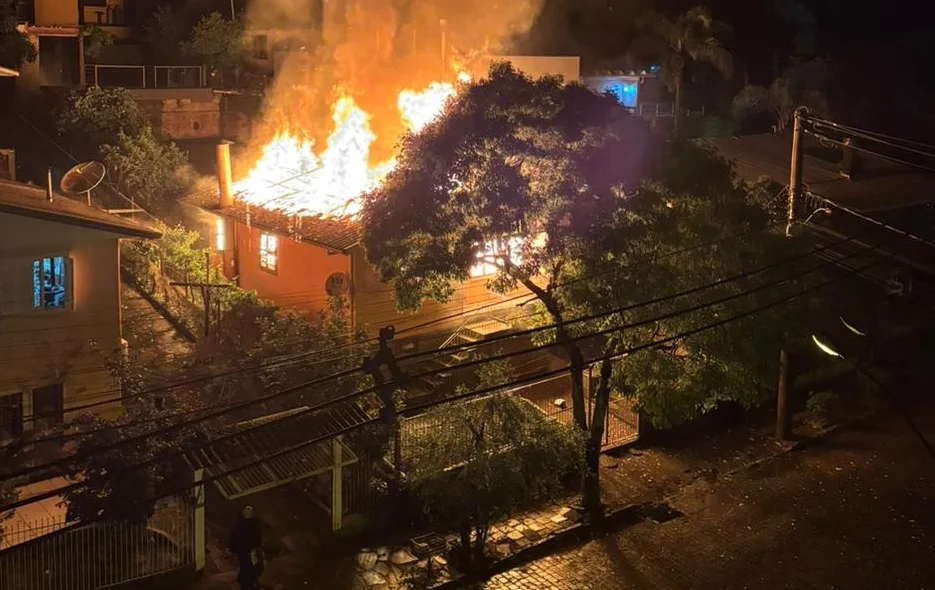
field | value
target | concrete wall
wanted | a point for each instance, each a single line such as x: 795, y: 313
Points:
x: 182, y: 113
x: 536, y: 66
x: 48, y: 347
x: 59, y: 13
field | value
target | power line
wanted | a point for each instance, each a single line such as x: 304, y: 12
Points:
x: 496, y: 338
x: 870, y: 135
x: 298, y: 356
x: 423, y: 407
x: 870, y: 152
x: 431, y: 372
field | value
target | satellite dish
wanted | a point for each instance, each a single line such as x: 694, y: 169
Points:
x: 83, y: 178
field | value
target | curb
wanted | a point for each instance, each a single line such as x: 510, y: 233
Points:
x: 622, y: 518
x: 617, y: 519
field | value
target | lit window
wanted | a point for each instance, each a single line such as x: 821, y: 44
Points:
x: 50, y: 285
x: 269, y: 252
x: 219, y: 237
x: 493, y: 249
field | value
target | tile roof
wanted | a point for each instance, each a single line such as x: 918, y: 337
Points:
x: 337, y: 234
x: 28, y: 200
x: 881, y: 186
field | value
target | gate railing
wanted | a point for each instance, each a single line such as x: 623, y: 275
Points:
x: 53, y: 554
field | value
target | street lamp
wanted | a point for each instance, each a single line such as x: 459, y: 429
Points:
x: 826, y: 348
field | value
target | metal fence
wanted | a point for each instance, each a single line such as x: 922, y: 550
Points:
x: 137, y: 76
x: 54, y: 555
x: 553, y: 398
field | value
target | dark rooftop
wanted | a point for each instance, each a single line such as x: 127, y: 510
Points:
x: 28, y: 200
x: 880, y: 186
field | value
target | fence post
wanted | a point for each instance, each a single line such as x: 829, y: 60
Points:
x: 337, y: 483
x: 198, y: 520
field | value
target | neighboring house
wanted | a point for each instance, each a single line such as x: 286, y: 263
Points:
x: 642, y: 93
x: 60, y: 311
x: 174, y: 97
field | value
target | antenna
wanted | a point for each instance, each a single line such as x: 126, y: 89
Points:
x: 83, y: 178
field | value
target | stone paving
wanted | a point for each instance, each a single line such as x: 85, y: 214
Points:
x: 386, y: 568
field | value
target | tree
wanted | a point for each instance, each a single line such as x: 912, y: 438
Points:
x: 693, y: 200
x: 800, y: 85
x: 112, y: 490
x: 95, y: 39
x: 509, y: 157
x: 93, y: 116
x: 689, y: 38
x: 216, y: 40
x: 15, y: 46
x: 146, y: 169
x: 164, y: 33
x: 488, y: 458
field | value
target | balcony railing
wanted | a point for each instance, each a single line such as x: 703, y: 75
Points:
x: 127, y: 76
x: 654, y: 110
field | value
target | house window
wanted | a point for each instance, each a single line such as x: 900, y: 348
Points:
x: 50, y: 284
x: 48, y: 408
x: 11, y: 415
x: 509, y: 248
x: 219, y: 237
x: 260, y: 47
x: 269, y: 252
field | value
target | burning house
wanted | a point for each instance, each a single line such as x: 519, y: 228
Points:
x: 287, y: 228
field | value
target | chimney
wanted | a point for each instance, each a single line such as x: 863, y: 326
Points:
x: 48, y: 184
x: 225, y: 191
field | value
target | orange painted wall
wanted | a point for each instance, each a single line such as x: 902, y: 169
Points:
x: 300, y: 277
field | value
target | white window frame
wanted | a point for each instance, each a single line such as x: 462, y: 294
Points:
x: 269, y: 252
x: 220, y: 234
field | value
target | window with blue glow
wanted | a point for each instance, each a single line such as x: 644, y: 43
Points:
x: 49, y: 283
x: 624, y: 92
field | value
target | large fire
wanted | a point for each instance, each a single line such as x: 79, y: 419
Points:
x: 291, y: 177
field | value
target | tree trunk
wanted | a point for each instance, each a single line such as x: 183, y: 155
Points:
x: 465, y: 549
x: 571, y: 348
x: 592, y: 480
x: 677, y: 115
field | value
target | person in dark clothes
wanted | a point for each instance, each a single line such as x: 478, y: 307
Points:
x: 247, y: 544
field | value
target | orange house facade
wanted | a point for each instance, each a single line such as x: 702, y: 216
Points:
x: 302, y: 263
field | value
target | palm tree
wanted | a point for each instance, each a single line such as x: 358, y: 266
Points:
x: 801, y: 85
x: 690, y: 38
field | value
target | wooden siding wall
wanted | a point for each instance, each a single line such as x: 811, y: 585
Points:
x: 49, y: 347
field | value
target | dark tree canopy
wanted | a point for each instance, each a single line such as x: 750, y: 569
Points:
x: 15, y: 47
x: 510, y: 156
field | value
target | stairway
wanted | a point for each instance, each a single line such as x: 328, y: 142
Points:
x: 444, y: 382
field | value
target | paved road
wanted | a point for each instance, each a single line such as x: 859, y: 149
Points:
x: 856, y: 512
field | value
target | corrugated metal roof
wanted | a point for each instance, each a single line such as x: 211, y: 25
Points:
x: 18, y: 198
x: 279, y: 434
x: 882, y: 185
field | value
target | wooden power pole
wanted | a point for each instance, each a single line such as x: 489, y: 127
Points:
x: 783, y: 414
x: 206, y: 288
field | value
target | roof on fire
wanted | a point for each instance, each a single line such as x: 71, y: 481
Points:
x: 338, y: 234
x: 27, y: 200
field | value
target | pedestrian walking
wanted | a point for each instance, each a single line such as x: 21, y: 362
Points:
x: 247, y: 544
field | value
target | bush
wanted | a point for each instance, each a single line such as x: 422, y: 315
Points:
x: 149, y: 171
x: 92, y: 117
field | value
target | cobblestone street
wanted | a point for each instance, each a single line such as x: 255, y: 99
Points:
x: 854, y: 512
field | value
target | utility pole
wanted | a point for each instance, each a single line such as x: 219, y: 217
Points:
x: 205, y: 291
x: 783, y: 415
x: 444, y: 27
x: 373, y: 366
x: 795, y: 168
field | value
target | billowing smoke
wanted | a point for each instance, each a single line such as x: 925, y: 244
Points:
x: 371, y: 50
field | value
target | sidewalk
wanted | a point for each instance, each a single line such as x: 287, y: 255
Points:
x: 637, y: 475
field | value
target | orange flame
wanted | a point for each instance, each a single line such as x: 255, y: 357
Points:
x: 292, y: 178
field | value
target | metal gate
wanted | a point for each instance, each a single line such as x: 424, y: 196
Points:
x: 621, y: 425
x: 59, y: 556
